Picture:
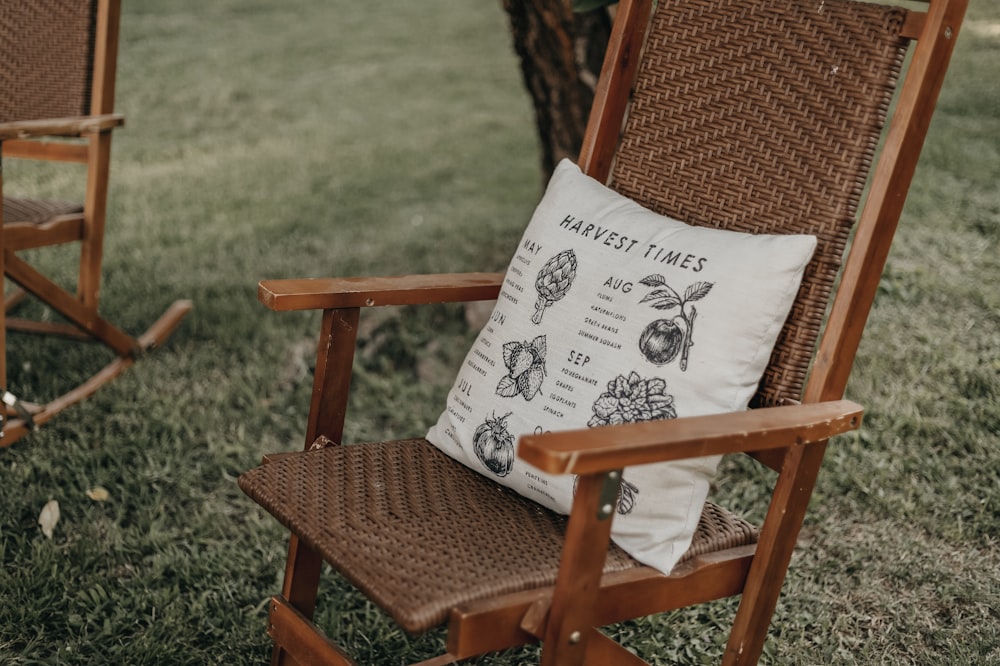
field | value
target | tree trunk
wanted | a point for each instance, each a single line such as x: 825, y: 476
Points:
x: 561, y: 54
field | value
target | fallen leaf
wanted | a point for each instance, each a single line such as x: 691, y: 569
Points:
x: 48, y: 518
x: 99, y: 494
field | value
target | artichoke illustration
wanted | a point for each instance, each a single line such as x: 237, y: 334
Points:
x: 631, y: 400
x: 553, y: 281
x: 525, y: 363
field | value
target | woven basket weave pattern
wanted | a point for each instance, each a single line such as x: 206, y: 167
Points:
x: 34, y: 211
x: 419, y: 533
x: 709, y: 145
x: 46, y: 75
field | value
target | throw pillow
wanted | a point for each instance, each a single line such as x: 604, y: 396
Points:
x: 610, y: 313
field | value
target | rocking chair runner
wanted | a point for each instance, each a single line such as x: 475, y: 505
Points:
x: 57, y: 80
x: 701, y: 116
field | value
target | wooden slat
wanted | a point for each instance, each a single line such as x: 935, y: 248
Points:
x: 46, y: 328
x: 56, y: 151
x: 611, y: 97
x: 914, y: 25
x: 60, y: 230
x: 496, y: 624
x: 102, y: 95
x: 328, y: 293
x: 25, y: 129
x: 611, y: 447
x: 68, y: 306
x: 301, y: 639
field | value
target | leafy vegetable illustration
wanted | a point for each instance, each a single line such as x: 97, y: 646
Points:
x: 632, y: 400
x: 525, y: 363
x: 494, y: 445
x: 553, y: 281
x: 626, y: 498
x: 664, y: 338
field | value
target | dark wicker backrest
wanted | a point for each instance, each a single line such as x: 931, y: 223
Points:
x: 764, y: 117
x: 46, y: 58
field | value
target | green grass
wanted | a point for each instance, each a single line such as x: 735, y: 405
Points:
x: 309, y: 138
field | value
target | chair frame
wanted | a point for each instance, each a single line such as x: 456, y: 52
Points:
x: 27, y: 140
x: 790, y: 439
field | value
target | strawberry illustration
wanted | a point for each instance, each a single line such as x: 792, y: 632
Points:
x: 525, y: 363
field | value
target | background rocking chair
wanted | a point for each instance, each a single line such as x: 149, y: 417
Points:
x: 700, y: 114
x: 57, y: 81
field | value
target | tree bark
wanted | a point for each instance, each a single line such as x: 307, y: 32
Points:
x: 561, y: 53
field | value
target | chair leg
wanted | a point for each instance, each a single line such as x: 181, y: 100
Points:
x: 67, y: 305
x: 288, y: 626
x: 774, y: 552
x: 17, y: 426
x: 92, y: 246
x: 302, y: 570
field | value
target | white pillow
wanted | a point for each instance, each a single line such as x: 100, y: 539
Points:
x: 610, y: 313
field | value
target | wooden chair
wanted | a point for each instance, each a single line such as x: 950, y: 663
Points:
x: 762, y: 116
x: 57, y: 84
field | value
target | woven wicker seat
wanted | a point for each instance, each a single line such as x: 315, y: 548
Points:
x: 37, y: 211
x: 761, y: 116
x: 422, y: 535
x: 57, y: 75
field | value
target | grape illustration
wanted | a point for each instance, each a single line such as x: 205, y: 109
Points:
x: 662, y: 339
x: 525, y: 363
x: 494, y: 445
x: 632, y: 400
x: 553, y: 281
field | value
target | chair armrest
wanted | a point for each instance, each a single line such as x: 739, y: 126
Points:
x: 329, y: 293
x: 613, y: 447
x: 27, y: 129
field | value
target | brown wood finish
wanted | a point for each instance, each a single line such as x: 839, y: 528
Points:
x: 55, y: 127
x: 588, y: 534
x: 78, y: 139
x: 499, y: 623
x: 53, y: 151
x: 288, y: 627
x: 327, y: 413
x: 791, y: 439
x: 326, y: 293
x: 612, y: 95
x: 590, y: 450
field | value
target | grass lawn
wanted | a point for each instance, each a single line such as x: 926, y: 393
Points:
x: 310, y: 138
